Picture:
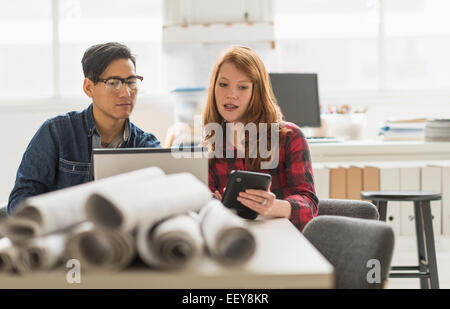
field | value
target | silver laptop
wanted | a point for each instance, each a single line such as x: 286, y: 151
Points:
x: 110, y: 162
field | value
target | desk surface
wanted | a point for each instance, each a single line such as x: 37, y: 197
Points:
x: 284, y: 258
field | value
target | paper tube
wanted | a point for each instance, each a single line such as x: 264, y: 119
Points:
x: 124, y: 209
x: 8, y: 255
x: 50, y: 212
x: 100, y: 249
x: 41, y: 253
x: 175, y: 242
x: 226, y: 235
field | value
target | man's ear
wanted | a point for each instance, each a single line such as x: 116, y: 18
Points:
x: 88, y: 87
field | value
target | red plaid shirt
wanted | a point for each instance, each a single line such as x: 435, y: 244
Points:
x: 292, y: 179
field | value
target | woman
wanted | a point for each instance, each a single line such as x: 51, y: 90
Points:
x: 240, y: 93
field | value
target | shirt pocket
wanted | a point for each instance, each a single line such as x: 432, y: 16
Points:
x: 73, y: 167
x: 72, y: 173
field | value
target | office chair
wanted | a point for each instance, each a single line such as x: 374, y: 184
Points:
x: 348, y: 208
x: 360, y: 250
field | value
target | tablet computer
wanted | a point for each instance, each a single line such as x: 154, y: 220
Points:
x: 239, y: 181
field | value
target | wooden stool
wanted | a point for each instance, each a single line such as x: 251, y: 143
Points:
x: 427, y: 269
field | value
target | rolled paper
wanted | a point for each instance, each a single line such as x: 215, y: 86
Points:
x: 173, y: 243
x: 124, y: 209
x: 226, y: 235
x: 8, y: 255
x: 54, y: 211
x: 100, y: 249
x: 41, y: 253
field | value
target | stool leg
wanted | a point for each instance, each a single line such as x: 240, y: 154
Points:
x: 429, y: 244
x: 382, y: 209
x: 420, y: 244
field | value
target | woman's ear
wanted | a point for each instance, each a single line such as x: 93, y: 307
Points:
x: 88, y: 87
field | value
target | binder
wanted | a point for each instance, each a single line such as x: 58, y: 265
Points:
x: 321, y: 180
x: 371, y: 178
x: 354, y: 179
x: 431, y: 178
x: 338, y: 181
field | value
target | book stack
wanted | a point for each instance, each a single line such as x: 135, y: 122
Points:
x: 437, y: 130
x: 403, y: 130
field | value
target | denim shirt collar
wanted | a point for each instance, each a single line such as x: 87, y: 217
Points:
x: 89, y: 122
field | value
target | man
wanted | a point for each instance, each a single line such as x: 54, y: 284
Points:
x: 60, y: 153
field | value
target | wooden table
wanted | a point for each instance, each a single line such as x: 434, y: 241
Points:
x: 284, y: 258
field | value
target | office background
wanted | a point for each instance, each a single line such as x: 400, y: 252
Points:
x: 390, y: 56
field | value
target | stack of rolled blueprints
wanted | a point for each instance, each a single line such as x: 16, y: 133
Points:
x: 168, y: 221
x: 143, y: 206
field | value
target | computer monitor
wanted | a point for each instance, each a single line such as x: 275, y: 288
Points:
x: 114, y: 161
x: 298, y: 97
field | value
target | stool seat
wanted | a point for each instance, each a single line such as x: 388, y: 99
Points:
x: 412, y: 196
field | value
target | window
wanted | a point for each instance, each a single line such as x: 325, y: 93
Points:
x: 40, y: 54
x: 359, y: 45
x: 26, y: 49
x: 366, y: 46
x: 336, y: 39
x: 417, y: 44
x: 136, y: 23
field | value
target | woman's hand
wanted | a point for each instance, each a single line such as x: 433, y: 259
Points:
x: 265, y: 203
x: 217, y: 195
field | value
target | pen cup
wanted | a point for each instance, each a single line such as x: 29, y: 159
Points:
x: 347, y: 126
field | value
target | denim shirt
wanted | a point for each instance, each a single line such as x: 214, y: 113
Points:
x: 60, y: 155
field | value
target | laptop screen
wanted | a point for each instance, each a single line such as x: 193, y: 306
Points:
x: 110, y: 162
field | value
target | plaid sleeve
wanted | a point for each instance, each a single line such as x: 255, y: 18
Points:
x: 213, y: 186
x: 300, y: 192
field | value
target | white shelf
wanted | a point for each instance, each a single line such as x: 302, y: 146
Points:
x: 379, y: 151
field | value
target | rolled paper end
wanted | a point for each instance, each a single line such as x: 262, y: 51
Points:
x: 33, y: 258
x: 95, y: 249
x: 27, y: 210
x: 103, y: 212
x: 19, y: 229
x: 5, y: 262
x: 8, y: 255
x: 172, y: 243
x: 177, y: 253
x: 235, y: 246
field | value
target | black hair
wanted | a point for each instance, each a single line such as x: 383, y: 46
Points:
x: 97, y: 58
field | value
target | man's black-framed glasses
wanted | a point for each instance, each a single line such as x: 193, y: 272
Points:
x: 115, y: 83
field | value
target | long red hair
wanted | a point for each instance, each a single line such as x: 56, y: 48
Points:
x: 263, y: 106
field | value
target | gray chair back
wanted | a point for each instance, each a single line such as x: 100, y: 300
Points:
x: 353, y: 246
x: 348, y: 208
